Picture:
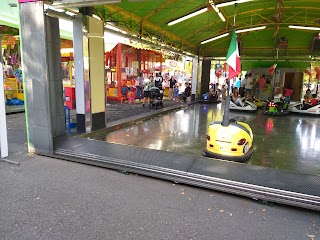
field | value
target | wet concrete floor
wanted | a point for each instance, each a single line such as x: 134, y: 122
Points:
x: 290, y: 142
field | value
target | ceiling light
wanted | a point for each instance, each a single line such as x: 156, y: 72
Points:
x: 250, y: 29
x: 60, y: 15
x: 188, y: 16
x: 82, y: 3
x: 70, y: 13
x: 217, y: 10
x: 56, y: 3
x: 232, y: 3
x: 215, y: 38
x: 238, y: 31
x: 305, y: 28
x: 96, y: 16
x: 221, y: 16
x: 46, y: 7
x: 213, y: 6
x: 113, y: 28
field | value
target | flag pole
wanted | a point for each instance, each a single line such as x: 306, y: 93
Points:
x: 225, y: 119
x: 234, y: 16
x: 234, y: 26
x: 318, y: 84
x: 309, y: 77
x: 274, y: 82
x: 274, y: 74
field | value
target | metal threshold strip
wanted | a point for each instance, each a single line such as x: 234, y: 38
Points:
x: 191, y: 178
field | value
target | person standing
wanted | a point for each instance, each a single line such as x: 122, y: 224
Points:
x: 175, y: 92
x: 242, y: 85
x: 172, y: 83
x: 158, y: 81
x: 249, y: 84
x: 223, y: 92
x: 261, y: 83
x: 146, y: 91
x: 139, y: 85
x: 287, y: 94
x: 217, y: 90
x: 278, y: 98
x: 238, y: 84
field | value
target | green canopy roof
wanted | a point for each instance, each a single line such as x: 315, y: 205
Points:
x: 149, y: 19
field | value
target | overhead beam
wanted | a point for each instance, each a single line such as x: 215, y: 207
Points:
x: 269, y: 20
x: 294, y: 15
x: 157, y: 9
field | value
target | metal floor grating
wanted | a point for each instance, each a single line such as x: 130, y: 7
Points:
x: 252, y: 181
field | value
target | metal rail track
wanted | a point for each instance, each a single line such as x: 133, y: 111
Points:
x: 239, y: 188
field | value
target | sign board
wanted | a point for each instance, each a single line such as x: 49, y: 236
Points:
x: 277, y: 76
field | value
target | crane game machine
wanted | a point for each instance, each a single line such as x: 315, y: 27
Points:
x: 67, y: 65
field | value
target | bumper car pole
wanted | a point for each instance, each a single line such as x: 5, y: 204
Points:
x: 225, y: 121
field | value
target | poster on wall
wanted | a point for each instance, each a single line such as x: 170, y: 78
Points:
x: 129, y: 71
x: 135, y: 64
x: 277, y: 78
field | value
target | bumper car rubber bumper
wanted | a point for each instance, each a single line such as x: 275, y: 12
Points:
x: 243, y: 158
x: 285, y: 112
x: 208, y: 102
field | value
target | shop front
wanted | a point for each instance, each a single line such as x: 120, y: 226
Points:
x: 13, y: 78
x: 123, y: 65
x: 67, y: 65
x: 11, y: 57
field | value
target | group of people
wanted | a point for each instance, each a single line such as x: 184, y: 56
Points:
x: 215, y: 92
x: 145, y: 85
x: 248, y: 84
x: 282, y: 96
x: 242, y: 87
x: 309, y: 100
x: 174, y: 90
x: 240, y: 92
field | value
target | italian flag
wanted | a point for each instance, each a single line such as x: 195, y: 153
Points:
x: 317, y: 69
x: 233, y: 58
x: 308, y: 71
x: 272, y: 68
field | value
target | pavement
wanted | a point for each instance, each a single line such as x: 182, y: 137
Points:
x: 48, y: 199
x: 14, y: 109
x: 116, y: 111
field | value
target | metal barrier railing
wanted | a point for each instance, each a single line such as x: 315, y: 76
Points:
x: 67, y: 119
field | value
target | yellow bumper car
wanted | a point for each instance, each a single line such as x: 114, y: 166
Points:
x: 229, y: 140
